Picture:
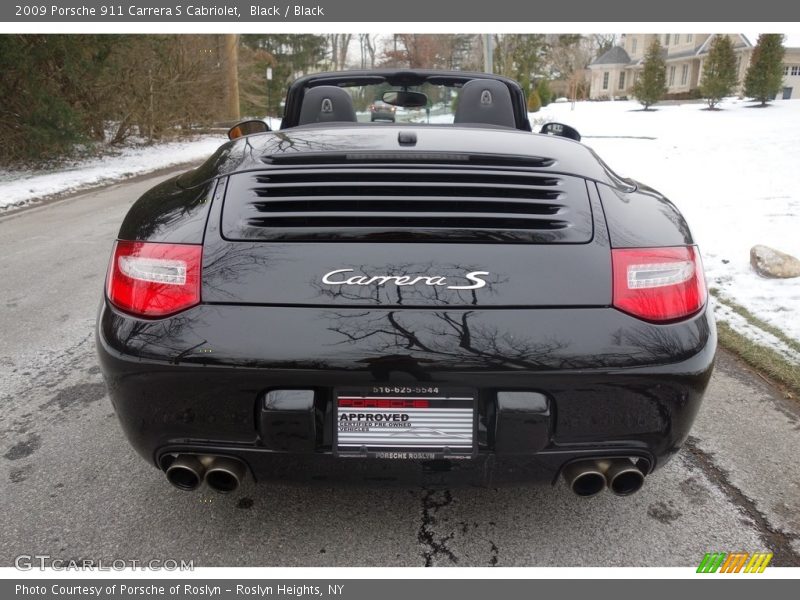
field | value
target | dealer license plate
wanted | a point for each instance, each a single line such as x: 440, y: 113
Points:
x: 414, y: 422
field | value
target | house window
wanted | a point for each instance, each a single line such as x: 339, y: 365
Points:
x: 689, y: 37
x: 786, y: 70
x: 685, y: 75
x: 677, y: 39
x: 634, y: 44
x: 605, y: 80
x: 666, y: 39
x: 795, y: 69
x: 622, y: 80
x: 672, y: 76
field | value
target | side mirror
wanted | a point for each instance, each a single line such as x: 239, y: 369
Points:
x: 405, y: 99
x: 247, y: 128
x: 561, y: 130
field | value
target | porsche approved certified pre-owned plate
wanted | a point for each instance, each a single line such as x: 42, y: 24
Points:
x: 415, y: 422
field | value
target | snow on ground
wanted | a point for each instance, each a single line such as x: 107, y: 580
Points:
x: 764, y: 338
x: 734, y: 174
x: 21, y: 187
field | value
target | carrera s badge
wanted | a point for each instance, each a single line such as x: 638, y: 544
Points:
x: 338, y: 277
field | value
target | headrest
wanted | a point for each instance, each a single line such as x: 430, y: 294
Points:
x: 485, y: 101
x: 326, y: 103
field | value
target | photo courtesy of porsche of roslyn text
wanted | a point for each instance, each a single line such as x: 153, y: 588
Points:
x: 521, y: 299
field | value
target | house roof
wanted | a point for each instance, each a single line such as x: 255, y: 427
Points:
x: 614, y: 56
x: 640, y: 61
x: 682, y: 54
x: 741, y: 41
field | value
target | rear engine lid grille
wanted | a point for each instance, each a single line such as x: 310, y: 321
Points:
x: 402, y: 203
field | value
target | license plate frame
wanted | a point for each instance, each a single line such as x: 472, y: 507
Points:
x: 440, y: 422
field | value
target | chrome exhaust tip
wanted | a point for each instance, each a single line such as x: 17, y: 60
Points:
x: 585, y: 478
x: 186, y: 472
x: 224, y: 475
x: 624, y: 477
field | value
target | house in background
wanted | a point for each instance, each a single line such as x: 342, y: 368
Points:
x: 614, y: 73
x: 791, y: 74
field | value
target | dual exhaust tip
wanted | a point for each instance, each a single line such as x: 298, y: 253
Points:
x: 221, y: 473
x: 584, y: 478
x: 590, y: 477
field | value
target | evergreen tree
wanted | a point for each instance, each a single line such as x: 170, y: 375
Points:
x: 719, y: 71
x: 651, y: 85
x: 764, y: 77
x: 520, y: 56
x: 543, y: 89
x: 289, y: 55
x: 45, y: 106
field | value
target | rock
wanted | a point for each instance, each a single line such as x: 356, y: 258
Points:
x: 771, y: 263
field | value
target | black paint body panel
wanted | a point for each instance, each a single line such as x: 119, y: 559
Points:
x: 169, y: 213
x: 598, y: 382
x: 643, y: 218
x: 314, y: 143
x: 275, y: 273
x: 615, y: 384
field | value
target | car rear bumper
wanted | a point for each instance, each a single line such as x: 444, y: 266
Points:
x: 608, y: 385
x: 385, y: 115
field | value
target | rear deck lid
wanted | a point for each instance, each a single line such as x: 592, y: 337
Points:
x: 407, y: 197
x: 407, y: 230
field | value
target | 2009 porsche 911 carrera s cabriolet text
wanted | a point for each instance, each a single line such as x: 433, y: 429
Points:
x: 449, y: 298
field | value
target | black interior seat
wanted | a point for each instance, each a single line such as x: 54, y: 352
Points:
x: 326, y: 104
x: 485, y: 101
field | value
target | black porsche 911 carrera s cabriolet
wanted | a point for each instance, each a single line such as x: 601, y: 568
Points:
x: 448, y: 298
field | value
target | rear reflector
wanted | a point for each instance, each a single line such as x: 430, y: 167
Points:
x: 658, y: 284
x: 154, y: 280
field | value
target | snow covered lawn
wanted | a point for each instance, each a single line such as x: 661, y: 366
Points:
x: 734, y: 174
x: 21, y: 187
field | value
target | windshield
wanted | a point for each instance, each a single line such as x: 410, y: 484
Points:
x: 370, y: 108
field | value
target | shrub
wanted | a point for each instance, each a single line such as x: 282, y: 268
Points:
x: 543, y: 89
x: 534, y: 102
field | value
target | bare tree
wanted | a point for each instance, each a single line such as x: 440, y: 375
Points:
x: 567, y: 54
x: 427, y: 51
x: 339, y: 45
x: 344, y: 46
x: 368, y: 43
x: 231, y: 63
x: 602, y: 42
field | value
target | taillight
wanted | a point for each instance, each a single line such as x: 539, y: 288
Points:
x: 658, y: 284
x: 152, y: 279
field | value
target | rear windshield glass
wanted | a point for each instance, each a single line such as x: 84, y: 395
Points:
x: 442, y: 101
